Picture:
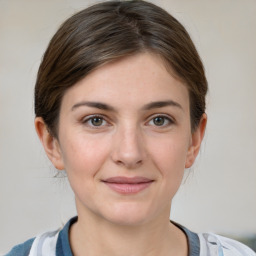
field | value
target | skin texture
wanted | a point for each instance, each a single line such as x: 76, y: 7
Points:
x: 130, y: 137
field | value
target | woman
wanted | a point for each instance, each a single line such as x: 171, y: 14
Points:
x: 120, y: 105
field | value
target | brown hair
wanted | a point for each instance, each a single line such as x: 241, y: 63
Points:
x: 105, y: 32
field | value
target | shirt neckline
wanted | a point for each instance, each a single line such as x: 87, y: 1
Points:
x: 192, y: 238
x: 63, y: 245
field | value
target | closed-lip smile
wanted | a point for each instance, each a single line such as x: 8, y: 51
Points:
x: 128, y: 185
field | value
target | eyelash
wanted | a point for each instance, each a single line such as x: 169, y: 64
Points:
x: 167, y: 119
x: 88, y: 119
x: 91, y: 117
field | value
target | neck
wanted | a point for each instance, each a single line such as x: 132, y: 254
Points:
x: 97, y: 236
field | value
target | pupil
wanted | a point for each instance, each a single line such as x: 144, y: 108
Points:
x: 158, y: 121
x: 96, y: 121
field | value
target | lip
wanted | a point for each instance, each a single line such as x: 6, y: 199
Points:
x: 128, y: 185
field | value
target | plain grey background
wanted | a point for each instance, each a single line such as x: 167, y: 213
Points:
x: 219, y: 193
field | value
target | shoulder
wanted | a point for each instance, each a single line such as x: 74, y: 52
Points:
x: 212, y: 243
x: 21, y: 249
x: 44, y: 244
x: 49, y: 243
x: 209, y: 244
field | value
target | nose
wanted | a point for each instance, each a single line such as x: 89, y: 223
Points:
x: 128, y: 148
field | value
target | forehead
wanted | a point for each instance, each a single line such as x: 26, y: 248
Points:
x: 132, y: 80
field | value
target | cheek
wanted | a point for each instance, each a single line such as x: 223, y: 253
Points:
x: 169, y: 156
x: 83, y: 157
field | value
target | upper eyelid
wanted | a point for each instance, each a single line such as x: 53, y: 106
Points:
x: 170, y: 122
x: 167, y: 116
x: 90, y: 117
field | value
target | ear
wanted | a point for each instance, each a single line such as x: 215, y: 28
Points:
x: 50, y: 143
x: 196, y: 139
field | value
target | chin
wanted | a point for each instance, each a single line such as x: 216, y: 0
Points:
x: 127, y: 215
x: 127, y: 220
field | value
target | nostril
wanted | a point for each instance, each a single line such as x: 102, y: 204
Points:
x: 139, y: 162
x: 128, y: 151
x: 119, y: 162
x: 129, y: 164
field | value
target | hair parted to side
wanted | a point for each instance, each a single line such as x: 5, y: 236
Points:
x: 105, y: 32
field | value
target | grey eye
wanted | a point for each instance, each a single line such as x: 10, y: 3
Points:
x: 96, y: 121
x: 159, y: 121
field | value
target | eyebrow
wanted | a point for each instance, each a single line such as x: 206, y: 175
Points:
x: 161, y: 104
x: 149, y: 106
x: 93, y: 104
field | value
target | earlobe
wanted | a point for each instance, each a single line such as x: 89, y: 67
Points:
x: 50, y: 143
x: 196, y: 140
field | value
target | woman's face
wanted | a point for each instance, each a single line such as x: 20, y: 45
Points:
x: 124, y: 140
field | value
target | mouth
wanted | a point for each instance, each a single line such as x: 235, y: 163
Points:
x: 127, y: 185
